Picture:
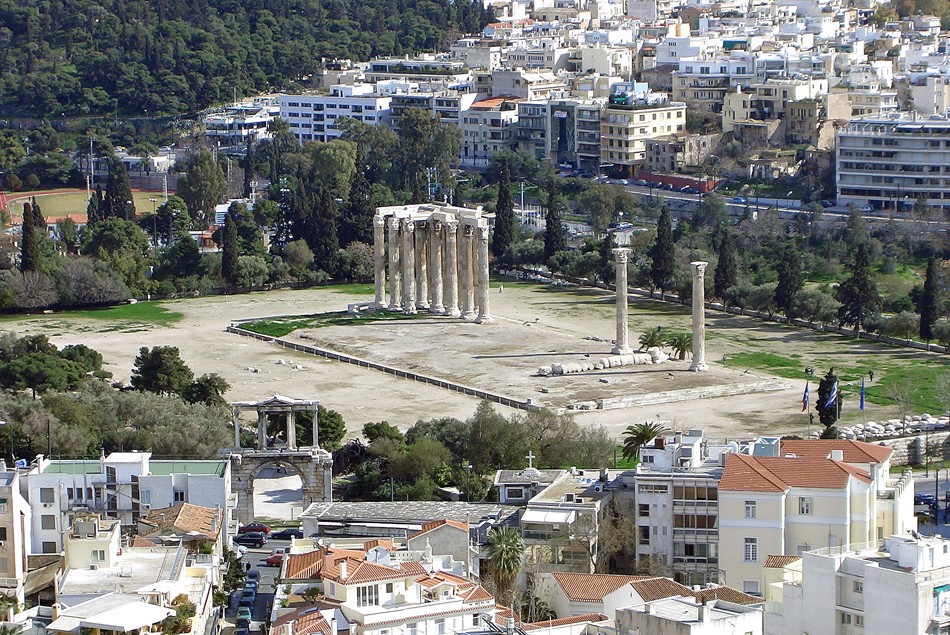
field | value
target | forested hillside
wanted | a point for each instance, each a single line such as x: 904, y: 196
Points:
x: 163, y: 57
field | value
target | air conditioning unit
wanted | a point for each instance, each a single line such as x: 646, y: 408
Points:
x: 578, y: 500
x: 598, y: 488
x: 47, y: 504
x: 94, y: 567
x: 146, y: 506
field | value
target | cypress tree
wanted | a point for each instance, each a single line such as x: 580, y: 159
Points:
x: 357, y: 226
x: 118, y: 202
x: 248, y: 168
x: 789, y: 280
x: 29, y: 241
x: 555, y: 238
x: 504, y: 214
x: 664, y: 265
x: 928, y: 302
x: 828, y: 413
x: 229, y: 251
x: 92, y: 208
x: 727, y: 269
x: 326, y: 243
x: 38, y: 219
x: 858, y: 294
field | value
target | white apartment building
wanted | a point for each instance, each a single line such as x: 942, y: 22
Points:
x: 429, y: 71
x: 932, y: 95
x: 550, y: 57
x: 869, y: 98
x: 122, y: 486
x: 15, y: 520
x: 900, y: 588
x: 677, y: 48
x: 313, y: 116
x: 478, y: 53
x: 704, y: 82
x: 686, y: 616
x: 488, y: 127
x: 241, y: 122
x: 628, y: 121
x: 889, y: 162
x: 448, y: 106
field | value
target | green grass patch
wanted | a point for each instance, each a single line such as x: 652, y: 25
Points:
x: 140, y: 312
x: 359, y: 288
x: 622, y: 463
x: 56, y: 204
x: 283, y: 326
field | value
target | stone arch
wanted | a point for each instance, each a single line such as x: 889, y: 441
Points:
x: 312, y: 465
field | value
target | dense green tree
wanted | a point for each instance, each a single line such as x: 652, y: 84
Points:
x: 790, y: 280
x: 208, y: 389
x: 505, y: 557
x: 229, y: 251
x: 118, y: 202
x: 607, y: 270
x: 425, y: 144
x: 727, y: 268
x: 928, y: 302
x: 331, y: 427
x: 202, y: 187
x: 382, y: 430
x: 829, y: 404
x: 357, y: 225
x: 663, y: 265
x: 29, y: 242
x: 555, y: 237
x: 173, y: 219
x: 161, y: 370
x: 858, y: 294
x: 325, y: 243
x: 180, y: 259
x: 712, y: 212
x: 504, y: 230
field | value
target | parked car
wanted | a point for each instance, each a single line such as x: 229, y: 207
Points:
x: 827, y: 203
x: 242, y: 622
x: 287, y: 534
x: 738, y: 200
x: 244, y: 613
x: 641, y: 183
x: 251, y: 584
x: 251, y: 539
x: 275, y: 560
x: 258, y: 527
x: 865, y: 209
x: 247, y: 602
x: 239, y: 551
x: 689, y: 190
x: 669, y: 186
x: 254, y: 575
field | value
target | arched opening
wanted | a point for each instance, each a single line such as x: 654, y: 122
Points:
x: 278, y: 492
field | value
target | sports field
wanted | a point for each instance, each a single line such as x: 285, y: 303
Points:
x: 58, y: 203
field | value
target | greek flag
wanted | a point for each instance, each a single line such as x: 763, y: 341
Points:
x: 862, y: 394
x: 833, y: 397
x: 805, y: 398
x: 21, y: 463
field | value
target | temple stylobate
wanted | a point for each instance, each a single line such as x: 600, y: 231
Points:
x: 432, y: 258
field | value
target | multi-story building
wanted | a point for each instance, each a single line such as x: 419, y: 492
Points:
x: 792, y: 498
x: 429, y: 71
x: 629, y: 119
x: 313, y: 116
x: 544, y: 56
x: 448, y: 106
x: 703, y: 82
x: 522, y: 84
x: 478, y: 53
x: 869, y: 98
x: 902, y: 587
x: 488, y: 127
x: 14, y: 535
x: 890, y: 162
x: 688, y: 616
x: 931, y: 95
x: 675, y: 152
x: 241, y: 122
x: 815, y: 121
x: 122, y: 486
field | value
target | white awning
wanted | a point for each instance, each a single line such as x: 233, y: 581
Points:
x: 133, y: 615
x: 549, y: 516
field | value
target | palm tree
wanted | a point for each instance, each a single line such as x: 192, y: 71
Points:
x: 681, y: 343
x: 651, y: 338
x: 505, y: 557
x: 635, y: 437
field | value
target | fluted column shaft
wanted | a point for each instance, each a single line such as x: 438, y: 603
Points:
x: 408, y: 266
x: 379, y: 261
x: 622, y: 344
x: 435, y: 267
x: 699, y: 316
x: 395, y: 261
x: 451, y: 267
x: 484, y: 314
x: 465, y: 264
x: 422, y: 266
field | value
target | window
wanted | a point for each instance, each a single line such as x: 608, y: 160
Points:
x: 389, y: 587
x: 3, y: 533
x: 515, y: 492
x: 179, y: 496
x: 367, y: 595
x: 3, y: 565
x: 859, y: 620
x: 644, y: 535
x: 3, y: 506
x: 98, y: 555
x: 440, y: 627
x: 845, y: 618
x: 412, y: 629
x: 48, y: 521
x: 858, y: 586
x: 750, y: 509
x: 751, y: 550
x: 145, y: 496
x: 644, y: 510
x: 46, y: 495
x: 804, y: 506
x: 69, y: 493
x: 750, y: 586
x: 49, y: 547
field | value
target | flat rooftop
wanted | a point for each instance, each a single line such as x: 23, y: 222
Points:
x: 584, y: 484
x: 135, y: 568
x: 415, y: 512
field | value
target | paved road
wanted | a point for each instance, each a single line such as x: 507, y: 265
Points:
x: 939, y: 488
x: 265, y: 595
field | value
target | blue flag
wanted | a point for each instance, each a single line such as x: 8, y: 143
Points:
x: 862, y: 394
x: 805, y: 398
x: 21, y: 463
x: 833, y: 397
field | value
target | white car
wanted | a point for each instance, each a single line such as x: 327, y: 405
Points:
x: 240, y: 550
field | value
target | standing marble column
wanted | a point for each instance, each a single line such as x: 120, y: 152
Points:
x: 408, y: 266
x: 261, y: 430
x: 699, y: 316
x: 395, y: 281
x: 451, y: 267
x: 622, y: 344
x: 465, y: 264
x: 379, y: 269
x: 236, y: 420
x: 422, y: 266
x: 291, y: 430
x: 435, y: 267
x: 484, y: 314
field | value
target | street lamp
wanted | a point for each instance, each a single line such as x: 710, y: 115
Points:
x: 154, y: 201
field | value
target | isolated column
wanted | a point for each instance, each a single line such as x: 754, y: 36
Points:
x: 395, y: 286
x: 465, y: 264
x: 622, y: 345
x: 699, y: 316
x: 408, y: 266
x: 379, y: 243
x: 236, y: 419
x: 484, y: 315
x: 451, y: 267
x: 291, y: 430
x: 435, y: 267
x: 422, y: 266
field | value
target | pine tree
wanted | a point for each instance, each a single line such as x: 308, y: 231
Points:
x: 858, y: 294
x: 229, y: 251
x: 555, y: 239
x: 504, y: 232
x: 29, y: 241
x: 828, y: 413
x: 727, y: 269
x: 248, y: 168
x: 664, y: 264
x: 118, y: 201
x: 789, y: 280
x: 326, y: 243
x: 92, y: 208
x: 928, y: 302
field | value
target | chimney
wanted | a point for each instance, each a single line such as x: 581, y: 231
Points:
x: 343, y: 569
x: 706, y: 613
x: 510, y: 626
x: 837, y: 455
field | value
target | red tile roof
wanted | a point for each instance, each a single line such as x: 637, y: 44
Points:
x: 853, y: 451
x: 305, y: 566
x: 564, y: 621
x: 359, y: 571
x: 726, y: 593
x: 591, y: 587
x: 779, y: 474
x: 780, y: 562
x: 303, y: 622
x: 659, y: 588
x: 427, y: 527
x: 380, y: 542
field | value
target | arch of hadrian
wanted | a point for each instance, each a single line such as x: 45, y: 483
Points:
x: 434, y: 258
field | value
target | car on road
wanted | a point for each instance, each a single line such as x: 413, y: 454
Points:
x: 258, y: 527
x: 255, y: 575
x: 689, y: 190
x: 245, y: 613
x: 242, y: 631
x: 865, y: 209
x: 243, y: 622
x: 251, y: 585
x: 925, y: 499
x: 251, y: 539
x: 827, y: 203
x: 641, y: 183
x: 287, y: 534
x: 247, y: 601
x: 738, y: 200
x: 275, y: 560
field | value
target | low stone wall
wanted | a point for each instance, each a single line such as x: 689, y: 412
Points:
x: 909, y: 450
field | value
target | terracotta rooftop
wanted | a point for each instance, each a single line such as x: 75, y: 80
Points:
x: 780, y: 562
x: 183, y: 518
x: 493, y: 102
x: 779, y: 474
x: 564, y: 621
x: 853, y: 451
x: 305, y: 566
x: 427, y: 527
x: 592, y: 587
x: 726, y: 593
x: 379, y: 542
x: 303, y: 622
x: 658, y: 588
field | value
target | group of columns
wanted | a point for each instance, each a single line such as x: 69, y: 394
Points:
x: 622, y: 343
x: 434, y: 264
